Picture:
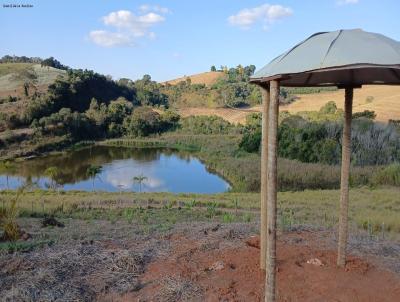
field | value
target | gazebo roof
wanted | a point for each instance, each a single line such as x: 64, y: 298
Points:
x: 338, y: 58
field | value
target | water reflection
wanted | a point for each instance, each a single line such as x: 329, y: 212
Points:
x: 164, y: 170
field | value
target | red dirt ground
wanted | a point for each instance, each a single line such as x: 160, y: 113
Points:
x: 239, y: 277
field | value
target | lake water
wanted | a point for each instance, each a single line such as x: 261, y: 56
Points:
x: 164, y: 170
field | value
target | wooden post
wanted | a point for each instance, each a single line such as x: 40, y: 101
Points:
x: 270, y: 285
x: 264, y: 165
x: 344, y: 180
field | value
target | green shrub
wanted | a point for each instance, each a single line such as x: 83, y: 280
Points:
x: 369, y: 114
x: 251, y: 141
x: 389, y: 175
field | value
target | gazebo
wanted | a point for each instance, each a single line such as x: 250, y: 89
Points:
x: 347, y: 59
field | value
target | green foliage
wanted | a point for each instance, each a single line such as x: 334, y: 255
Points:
x: 318, y: 140
x: 389, y: 175
x: 207, y: 125
x: 76, y: 124
x: 232, y: 90
x: 251, y: 141
x: 191, y: 204
x: 142, y: 122
x: 8, y: 217
x: 139, y: 179
x: 23, y: 246
x: 51, y: 62
x: 53, y: 173
x: 76, y: 92
x: 92, y: 172
x: 19, y: 59
x: 365, y: 114
x: 328, y: 108
x: 148, y: 92
x: 228, y: 218
x: 251, y: 138
x: 211, y: 209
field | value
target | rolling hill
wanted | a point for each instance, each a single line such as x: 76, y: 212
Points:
x: 384, y: 100
x: 13, y: 76
x: 206, y: 78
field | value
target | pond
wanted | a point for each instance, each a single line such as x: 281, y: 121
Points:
x: 122, y: 169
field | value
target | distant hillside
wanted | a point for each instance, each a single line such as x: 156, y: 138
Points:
x: 14, y: 76
x: 206, y: 78
x: 384, y: 100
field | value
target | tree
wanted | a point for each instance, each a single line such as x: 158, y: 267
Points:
x: 142, y: 122
x: 8, y: 167
x: 328, y: 108
x: 92, y: 172
x: 53, y: 173
x: 139, y: 180
x: 213, y: 68
x: 119, y: 109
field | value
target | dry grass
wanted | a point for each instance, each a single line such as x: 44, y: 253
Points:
x: 207, y: 78
x: 178, y: 289
x: 384, y: 100
x: 8, y: 68
x: 66, y: 273
x: 232, y: 115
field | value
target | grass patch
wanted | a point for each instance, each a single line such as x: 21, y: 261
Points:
x: 161, y: 210
x: 23, y: 246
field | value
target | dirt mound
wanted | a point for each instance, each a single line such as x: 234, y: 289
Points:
x: 204, y: 272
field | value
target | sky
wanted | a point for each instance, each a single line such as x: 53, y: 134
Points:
x: 169, y: 39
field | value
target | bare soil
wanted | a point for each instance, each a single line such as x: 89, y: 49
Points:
x: 202, y: 261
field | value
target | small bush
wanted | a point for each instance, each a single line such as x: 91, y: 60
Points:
x: 369, y: 99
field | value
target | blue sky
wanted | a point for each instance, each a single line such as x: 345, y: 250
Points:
x: 168, y: 39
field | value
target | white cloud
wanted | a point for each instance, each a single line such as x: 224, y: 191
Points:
x: 266, y: 13
x: 344, y: 2
x: 109, y: 39
x: 154, y: 8
x: 137, y: 25
x: 121, y: 178
x: 128, y: 27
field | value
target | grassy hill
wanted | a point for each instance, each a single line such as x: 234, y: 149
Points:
x: 13, y: 76
x: 206, y: 78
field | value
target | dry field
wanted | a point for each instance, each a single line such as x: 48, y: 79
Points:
x: 232, y: 115
x: 384, y: 100
x: 207, y: 78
